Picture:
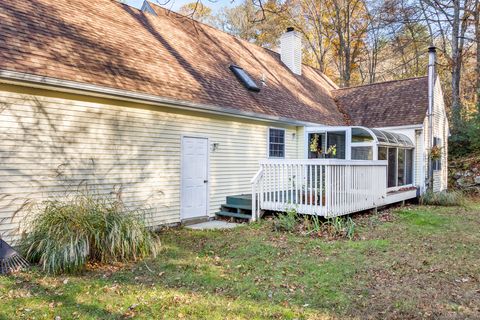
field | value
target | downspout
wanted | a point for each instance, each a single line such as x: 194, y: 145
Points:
x: 431, y: 87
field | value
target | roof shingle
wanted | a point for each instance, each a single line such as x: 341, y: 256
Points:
x: 385, y: 104
x: 109, y: 44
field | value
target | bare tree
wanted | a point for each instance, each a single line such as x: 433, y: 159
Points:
x: 451, y: 21
x: 308, y: 17
x: 348, y: 22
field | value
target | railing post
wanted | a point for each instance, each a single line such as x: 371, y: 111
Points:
x: 327, y: 190
x: 257, y: 200
x: 254, y: 202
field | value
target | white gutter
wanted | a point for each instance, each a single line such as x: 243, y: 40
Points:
x: 42, y: 82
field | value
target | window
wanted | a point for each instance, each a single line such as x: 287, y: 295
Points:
x: 382, y: 153
x: 337, y: 139
x: 243, y: 76
x: 276, y: 143
x: 392, y: 167
x: 361, y: 135
x: 437, y: 163
x: 329, y: 144
x: 362, y: 153
x: 409, y: 166
x: 316, y: 141
x: 401, y: 167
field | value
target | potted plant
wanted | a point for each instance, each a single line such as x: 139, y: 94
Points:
x: 309, y: 197
x: 317, y: 149
x: 436, y: 153
x: 313, y: 197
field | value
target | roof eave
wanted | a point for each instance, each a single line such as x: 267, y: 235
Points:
x: 43, y: 82
x: 402, y: 127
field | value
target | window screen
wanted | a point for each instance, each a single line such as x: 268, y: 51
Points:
x: 362, y: 153
x: 276, y: 143
x: 409, y: 166
x: 392, y: 167
x: 382, y: 153
x: 336, y: 138
x: 437, y: 163
x: 320, y: 145
x: 401, y: 167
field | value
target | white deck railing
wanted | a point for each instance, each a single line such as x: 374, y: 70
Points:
x: 319, y: 186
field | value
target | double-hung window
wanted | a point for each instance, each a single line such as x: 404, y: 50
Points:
x: 276, y: 143
x: 437, y: 163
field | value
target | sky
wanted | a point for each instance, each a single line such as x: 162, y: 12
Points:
x: 174, y: 5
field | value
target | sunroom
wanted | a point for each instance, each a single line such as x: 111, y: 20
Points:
x: 344, y: 170
x: 360, y: 143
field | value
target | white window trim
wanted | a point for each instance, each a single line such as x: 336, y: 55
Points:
x: 397, y: 187
x: 325, y: 131
x: 284, y: 143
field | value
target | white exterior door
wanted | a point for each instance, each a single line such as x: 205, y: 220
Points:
x: 194, y: 177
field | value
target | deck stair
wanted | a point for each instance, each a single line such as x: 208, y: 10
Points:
x: 237, y: 206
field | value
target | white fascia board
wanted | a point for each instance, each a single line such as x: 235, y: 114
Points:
x: 410, y: 126
x: 321, y: 128
x: 42, y: 82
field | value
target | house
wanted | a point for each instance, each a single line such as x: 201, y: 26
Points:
x: 176, y: 116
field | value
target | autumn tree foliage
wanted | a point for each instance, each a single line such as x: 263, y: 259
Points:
x: 365, y: 41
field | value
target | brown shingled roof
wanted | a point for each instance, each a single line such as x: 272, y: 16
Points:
x: 385, y: 104
x: 106, y: 43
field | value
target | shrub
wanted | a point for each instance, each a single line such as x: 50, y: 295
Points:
x: 64, y: 235
x: 443, y: 198
x: 464, y: 139
x: 287, y: 221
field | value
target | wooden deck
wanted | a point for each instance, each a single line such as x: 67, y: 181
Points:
x: 322, y: 187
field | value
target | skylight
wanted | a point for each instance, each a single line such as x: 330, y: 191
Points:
x: 243, y: 76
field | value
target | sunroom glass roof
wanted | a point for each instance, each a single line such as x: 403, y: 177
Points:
x: 392, y: 138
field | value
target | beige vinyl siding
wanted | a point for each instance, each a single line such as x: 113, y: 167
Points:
x: 53, y: 143
x: 301, y: 142
x: 420, y: 157
x: 440, y: 130
x: 440, y: 127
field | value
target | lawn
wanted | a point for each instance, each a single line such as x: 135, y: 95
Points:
x: 408, y: 263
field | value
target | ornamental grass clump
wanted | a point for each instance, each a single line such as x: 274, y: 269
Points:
x: 443, y: 198
x: 64, y: 235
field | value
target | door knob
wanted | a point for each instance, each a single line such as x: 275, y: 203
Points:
x: 205, y: 181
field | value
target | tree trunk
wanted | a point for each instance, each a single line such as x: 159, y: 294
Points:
x: 477, y: 39
x: 456, y: 66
